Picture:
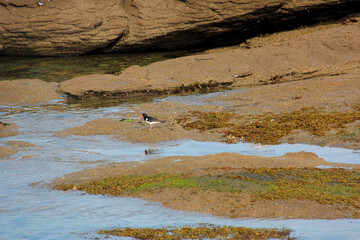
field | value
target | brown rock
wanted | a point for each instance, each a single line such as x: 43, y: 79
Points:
x: 229, y: 204
x: 8, y: 129
x: 7, y: 152
x: 240, y: 205
x: 20, y: 144
x: 64, y: 27
x: 198, y: 165
x: 329, y: 52
x: 332, y: 93
x: 59, y: 27
x: 12, y: 147
x: 27, y: 91
x: 170, y: 76
x: 172, y: 24
x: 137, y: 131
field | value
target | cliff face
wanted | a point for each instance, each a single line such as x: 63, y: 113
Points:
x: 64, y: 27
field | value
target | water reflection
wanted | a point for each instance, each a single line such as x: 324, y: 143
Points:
x: 152, y: 151
x: 58, y: 69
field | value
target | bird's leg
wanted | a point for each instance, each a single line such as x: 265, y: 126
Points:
x: 151, y: 126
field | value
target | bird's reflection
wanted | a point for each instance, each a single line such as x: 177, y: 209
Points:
x: 152, y: 151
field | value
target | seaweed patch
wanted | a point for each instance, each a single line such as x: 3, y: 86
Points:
x: 268, y: 128
x: 337, y: 186
x: 202, y: 231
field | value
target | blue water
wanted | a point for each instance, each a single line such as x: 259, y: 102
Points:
x: 33, y: 212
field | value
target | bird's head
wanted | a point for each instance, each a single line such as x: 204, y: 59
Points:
x: 143, y: 115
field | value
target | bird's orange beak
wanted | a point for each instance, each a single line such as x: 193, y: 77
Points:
x: 140, y: 116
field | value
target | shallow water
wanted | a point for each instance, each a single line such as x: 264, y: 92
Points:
x: 199, y: 98
x: 32, y: 212
x: 58, y: 69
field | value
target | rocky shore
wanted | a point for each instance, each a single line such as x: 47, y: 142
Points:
x: 314, y: 68
x: 321, y: 52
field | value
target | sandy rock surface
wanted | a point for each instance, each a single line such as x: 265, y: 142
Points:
x: 331, y: 93
x: 202, y: 165
x: 27, y: 91
x: 236, y: 205
x: 12, y: 147
x: 64, y: 27
x: 7, y: 152
x: 8, y: 129
x: 321, y: 53
x: 329, y: 52
x: 129, y: 127
x: 59, y: 27
x: 334, y: 93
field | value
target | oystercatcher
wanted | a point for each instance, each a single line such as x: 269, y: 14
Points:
x: 150, y: 120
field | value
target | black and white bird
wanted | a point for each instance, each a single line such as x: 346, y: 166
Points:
x: 150, y: 120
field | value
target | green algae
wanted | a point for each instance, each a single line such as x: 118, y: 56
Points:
x: 126, y: 120
x: 130, y: 184
x: 202, y: 231
x: 4, y: 124
x: 325, y: 186
x: 268, y: 128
